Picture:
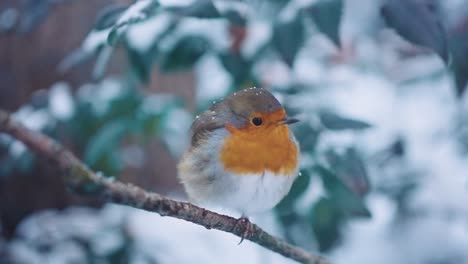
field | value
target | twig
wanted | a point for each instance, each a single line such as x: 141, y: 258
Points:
x: 78, y: 175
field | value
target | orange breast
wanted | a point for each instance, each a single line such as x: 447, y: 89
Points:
x: 254, y: 150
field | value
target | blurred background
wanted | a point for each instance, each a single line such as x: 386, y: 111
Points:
x: 379, y: 86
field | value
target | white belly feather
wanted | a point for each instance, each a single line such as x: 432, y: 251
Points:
x: 256, y: 193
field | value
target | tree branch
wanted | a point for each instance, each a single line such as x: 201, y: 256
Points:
x: 78, y: 176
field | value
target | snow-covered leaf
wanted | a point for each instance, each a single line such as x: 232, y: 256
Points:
x: 325, y: 221
x: 109, y: 16
x: 184, y: 53
x: 300, y: 185
x: 288, y: 38
x: 350, y: 169
x: 308, y: 136
x: 459, y: 65
x: 235, y: 11
x: 141, y: 63
x: 237, y: 66
x: 101, y: 147
x: 418, y: 22
x: 199, y: 8
x: 346, y: 200
x: 91, y: 45
x: 333, y: 121
x: 327, y: 15
x: 139, y: 11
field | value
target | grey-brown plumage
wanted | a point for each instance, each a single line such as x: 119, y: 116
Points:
x: 237, y: 108
x: 204, y: 175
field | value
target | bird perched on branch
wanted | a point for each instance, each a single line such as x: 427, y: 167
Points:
x: 242, y: 155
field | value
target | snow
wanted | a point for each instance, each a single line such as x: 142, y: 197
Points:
x: 176, y: 2
x: 243, y: 9
x: 135, y: 11
x: 157, y: 103
x: 258, y: 34
x: 8, y: 18
x: 360, y: 20
x: 160, y: 238
x: 273, y: 73
x: 94, y: 40
x: 17, y: 149
x: 422, y: 240
x: 365, y: 242
x: 306, y: 70
x: 216, y: 31
x: 132, y: 156
x: 142, y: 35
x: 61, y: 103
x: 217, y: 246
x: 33, y: 119
x: 290, y: 11
x: 176, y: 127
x: 62, y: 231
x: 212, y: 80
x: 99, y: 95
x: 314, y: 192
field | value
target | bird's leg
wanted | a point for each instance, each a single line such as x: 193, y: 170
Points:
x: 246, y: 226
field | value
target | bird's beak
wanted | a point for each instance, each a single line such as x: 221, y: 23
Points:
x: 289, y: 120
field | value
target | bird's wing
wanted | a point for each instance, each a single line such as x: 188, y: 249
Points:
x: 205, y: 123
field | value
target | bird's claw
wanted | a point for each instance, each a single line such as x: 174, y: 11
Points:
x: 246, y: 226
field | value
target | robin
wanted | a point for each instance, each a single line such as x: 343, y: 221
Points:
x: 242, y: 154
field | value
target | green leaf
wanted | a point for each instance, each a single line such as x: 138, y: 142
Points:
x: 350, y: 169
x: 108, y: 16
x: 140, y: 11
x: 326, y: 15
x: 459, y: 66
x: 105, y: 141
x: 100, y: 66
x: 141, y: 63
x: 125, y: 105
x: 149, y: 123
x: 199, y: 9
x: 307, y: 136
x: 185, y: 53
x: 288, y: 38
x: 418, y: 22
x: 237, y: 66
x: 326, y: 221
x: 345, y: 200
x: 299, y: 186
x: 401, y: 190
x: 235, y: 17
x: 113, y: 36
x: 333, y: 121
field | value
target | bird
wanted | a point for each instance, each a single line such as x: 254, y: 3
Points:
x: 242, y: 154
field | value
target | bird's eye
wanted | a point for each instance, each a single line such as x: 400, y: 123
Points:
x: 257, y: 121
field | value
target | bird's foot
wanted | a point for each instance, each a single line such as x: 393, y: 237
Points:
x: 246, y: 226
